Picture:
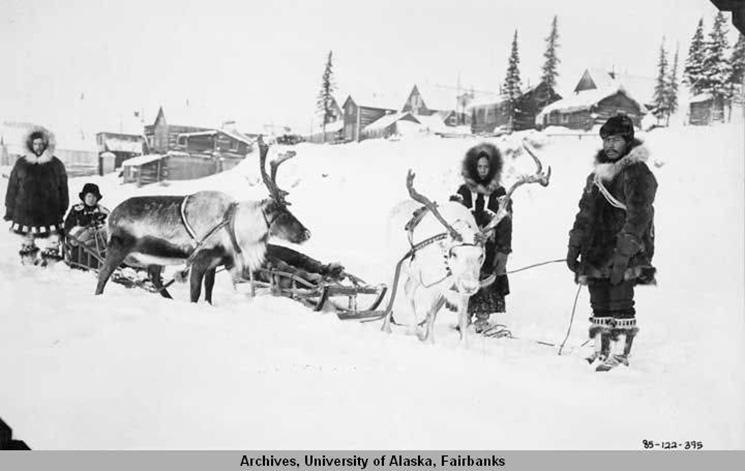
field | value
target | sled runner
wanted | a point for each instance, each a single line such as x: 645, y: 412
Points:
x: 346, y: 294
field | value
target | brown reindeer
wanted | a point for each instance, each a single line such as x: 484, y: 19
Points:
x: 204, y: 230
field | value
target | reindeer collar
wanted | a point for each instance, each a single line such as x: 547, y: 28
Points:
x: 607, y: 171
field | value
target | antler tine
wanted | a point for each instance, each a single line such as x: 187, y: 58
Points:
x: 274, y: 165
x: 542, y: 178
x: 538, y: 177
x: 416, y: 196
x: 263, y: 151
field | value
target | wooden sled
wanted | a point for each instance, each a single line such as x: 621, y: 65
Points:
x: 347, y: 295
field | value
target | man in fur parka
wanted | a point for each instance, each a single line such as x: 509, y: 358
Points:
x: 481, y: 190
x: 37, y: 199
x: 612, y: 242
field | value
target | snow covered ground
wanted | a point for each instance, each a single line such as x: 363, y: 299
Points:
x: 130, y: 370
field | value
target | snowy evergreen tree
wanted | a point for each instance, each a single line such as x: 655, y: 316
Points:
x: 550, y: 71
x: 694, y: 62
x: 512, y: 83
x: 672, y: 87
x: 715, y: 70
x: 737, y: 61
x: 325, y: 100
x: 660, y: 98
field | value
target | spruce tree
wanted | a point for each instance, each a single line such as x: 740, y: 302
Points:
x: 672, y: 87
x: 511, y: 86
x: 660, y: 98
x: 325, y: 100
x: 694, y: 62
x: 737, y: 60
x: 715, y: 71
x: 550, y: 71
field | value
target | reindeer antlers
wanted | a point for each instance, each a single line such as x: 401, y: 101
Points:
x: 275, y: 192
x: 537, y: 177
x: 432, y: 207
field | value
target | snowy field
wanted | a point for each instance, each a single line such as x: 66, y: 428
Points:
x: 131, y: 370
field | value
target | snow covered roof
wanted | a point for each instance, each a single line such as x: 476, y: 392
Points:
x: 389, y: 119
x: 232, y: 134
x: 700, y: 98
x: 438, y: 97
x: 142, y: 159
x: 433, y: 123
x: 585, y: 100
x: 640, y: 87
x: 123, y: 145
x: 384, y: 101
x: 483, y: 99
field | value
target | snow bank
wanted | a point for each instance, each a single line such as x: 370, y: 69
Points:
x: 130, y: 370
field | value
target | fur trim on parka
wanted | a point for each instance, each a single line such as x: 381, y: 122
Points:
x: 470, y: 175
x: 601, y: 230
x: 37, y: 195
x: 48, y: 153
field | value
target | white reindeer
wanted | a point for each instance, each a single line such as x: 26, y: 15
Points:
x: 443, y: 267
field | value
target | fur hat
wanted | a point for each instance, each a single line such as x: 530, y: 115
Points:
x: 90, y: 188
x: 619, y: 124
x: 470, y: 163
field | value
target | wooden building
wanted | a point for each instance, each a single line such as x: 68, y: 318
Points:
x: 587, y: 108
x: 639, y: 87
x: 162, y: 136
x: 145, y: 169
x: 392, y: 124
x: 491, y: 114
x: 357, y: 116
x: 430, y: 100
x: 122, y: 146
x: 195, y: 152
x: 704, y: 109
x: 226, y: 148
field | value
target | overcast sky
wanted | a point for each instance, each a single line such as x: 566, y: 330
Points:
x: 91, y: 64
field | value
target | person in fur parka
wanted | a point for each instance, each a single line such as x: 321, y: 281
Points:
x: 611, y: 244
x: 480, y: 192
x: 37, y: 198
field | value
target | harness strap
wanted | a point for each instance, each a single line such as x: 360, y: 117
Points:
x: 227, y: 222
x: 182, y: 211
x: 607, y: 195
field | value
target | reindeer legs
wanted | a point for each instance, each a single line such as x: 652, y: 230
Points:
x: 116, y: 252
x: 463, y: 319
x: 429, y: 335
x: 154, y: 272
x: 209, y: 283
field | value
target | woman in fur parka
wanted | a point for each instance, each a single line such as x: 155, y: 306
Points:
x: 37, y: 198
x: 611, y: 243
x: 480, y: 192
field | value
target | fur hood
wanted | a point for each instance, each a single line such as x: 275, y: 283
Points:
x: 493, y: 179
x: 48, y: 153
x: 607, y: 169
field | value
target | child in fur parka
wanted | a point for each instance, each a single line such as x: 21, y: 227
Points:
x: 612, y: 241
x: 36, y: 199
x: 482, y: 171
